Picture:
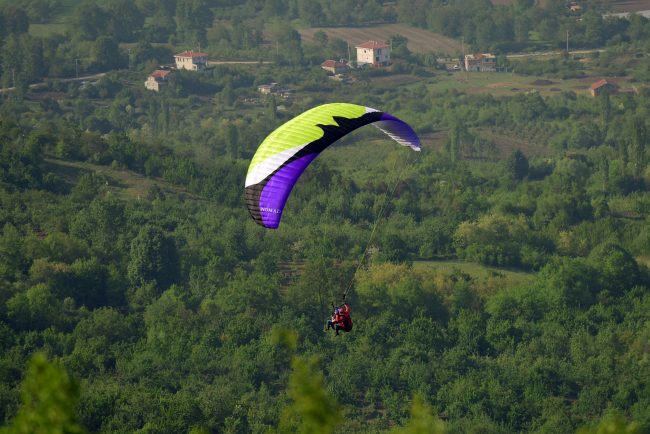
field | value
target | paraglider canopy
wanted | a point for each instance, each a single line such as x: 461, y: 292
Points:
x: 287, y: 151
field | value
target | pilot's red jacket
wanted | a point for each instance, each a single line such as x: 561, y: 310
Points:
x: 343, y: 318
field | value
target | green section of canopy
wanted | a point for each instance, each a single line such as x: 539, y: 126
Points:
x: 303, y: 129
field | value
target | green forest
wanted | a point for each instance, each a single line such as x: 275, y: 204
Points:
x: 499, y: 279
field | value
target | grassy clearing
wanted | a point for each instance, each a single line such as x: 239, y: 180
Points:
x: 503, y: 83
x: 481, y: 273
x: 124, y: 184
x: 45, y: 30
x: 507, y: 143
x: 492, y: 277
x: 369, y: 158
x: 419, y: 40
x: 644, y: 260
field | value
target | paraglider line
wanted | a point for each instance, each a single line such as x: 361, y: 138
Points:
x: 387, y: 197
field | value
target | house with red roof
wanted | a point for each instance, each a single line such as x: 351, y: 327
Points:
x: 191, y: 60
x: 373, y: 53
x: 334, y: 67
x: 157, y: 79
x: 602, y: 86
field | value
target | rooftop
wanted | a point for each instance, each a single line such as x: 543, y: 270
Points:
x: 372, y: 45
x: 599, y: 84
x: 480, y: 56
x: 191, y: 54
x: 333, y: 64
x: 160, y: 73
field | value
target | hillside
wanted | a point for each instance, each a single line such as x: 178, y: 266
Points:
x: 497, y: 278
x: 630, y: 5
x: 616, y: 5
x: 419, y: 40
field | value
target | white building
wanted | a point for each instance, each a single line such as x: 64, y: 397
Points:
x: 267, y: 89
x: 191, y: 60
x: 484, y: 62
x: 373, y: 53
x: 156, y: 79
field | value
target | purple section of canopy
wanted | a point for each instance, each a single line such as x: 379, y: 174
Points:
x: 400, y: 129
x: 277, y: 189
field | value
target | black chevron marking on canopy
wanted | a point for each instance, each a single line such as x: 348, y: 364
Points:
x: 331, y: 133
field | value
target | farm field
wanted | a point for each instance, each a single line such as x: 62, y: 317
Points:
x: 630, y: 5
x: 503, y: 84
x: 617, y: 5
x: 419, y: 40
x: 509, y: 2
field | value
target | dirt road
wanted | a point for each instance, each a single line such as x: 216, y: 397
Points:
x: 93, y: 77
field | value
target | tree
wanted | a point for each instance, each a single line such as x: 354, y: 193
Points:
x: 34, y: 309
x: 11, y: 64
x: 232, y: 140
x: 618, y: 269
x: 594, y: 27
x: 571, y: 282
x: 89, y: 21
x: 193, y: 17
x: 274, y: 8
x: 15, y: 21
x: 49, y: 397
x: 40, y: 11
x: 13, y: 260
x: 612, y: 423
x: 422, y: 420
x: 125, y: 19
x: 106, y: 54
x: 153, y: 258
x: 312, y: 410
x: 321, y: 37
x: 101, y: 225
x: 605, y: 111
x: 638, y: 142
x: 33, y: 60
x: 413, y: 12
x: 517, y: 165
x: 227, y: 95
x: 458, y: 136
x: 399, y: 42
x: 311, y: 12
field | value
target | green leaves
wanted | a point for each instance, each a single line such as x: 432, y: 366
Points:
x: 612, y: 424
x: 153, y: 258
x: 516, y: 165
x: 49, y: 397
x: 422, y: 420
x: 312, y: 410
